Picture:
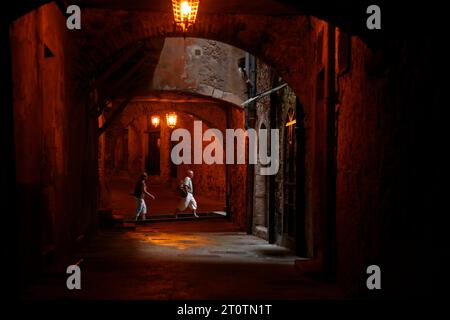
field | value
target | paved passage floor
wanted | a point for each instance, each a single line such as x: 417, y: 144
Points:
x: 200, y: 259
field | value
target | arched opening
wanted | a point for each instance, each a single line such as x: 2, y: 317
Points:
x: 210, y: 180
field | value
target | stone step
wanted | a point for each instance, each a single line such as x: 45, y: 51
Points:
x: 181, y: 217
x: 106, y: 218
x: 129, y: 226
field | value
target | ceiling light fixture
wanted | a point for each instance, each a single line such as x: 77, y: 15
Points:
x: 185, y: 13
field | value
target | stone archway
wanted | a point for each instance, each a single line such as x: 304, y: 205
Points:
x: 286, y: 45
x: 212, y: 181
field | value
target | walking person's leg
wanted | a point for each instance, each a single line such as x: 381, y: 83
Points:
x: 140, y: 206
x: 144, y: 210
x: 193, y: 205
x: 182, y: 205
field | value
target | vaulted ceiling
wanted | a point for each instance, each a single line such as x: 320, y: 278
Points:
x: 120, y: 41
x: 348, y: 14
x: 112, y: 29
x: 260, y: 7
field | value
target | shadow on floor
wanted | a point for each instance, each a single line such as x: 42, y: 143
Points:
x: 192, y: 260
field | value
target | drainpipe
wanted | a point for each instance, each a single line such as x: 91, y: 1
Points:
x: 250, y: 75
x: 250, y: 116
x: 330, y: 203
x: 272, y: 181
x: 263, y: 94
x: 227, y: 175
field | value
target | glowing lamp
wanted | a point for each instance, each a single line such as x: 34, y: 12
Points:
x: 171, y: 119
x: 185, y: 13
x: 155, y: 121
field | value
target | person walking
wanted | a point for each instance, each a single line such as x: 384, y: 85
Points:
x: 140, y: 190
x: 187, y: 201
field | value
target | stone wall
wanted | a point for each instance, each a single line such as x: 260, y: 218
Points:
x: 201, y: 66
x: 311, y: 96
x: 378, y: 134
x: 264, y: 76
x: 55, y: 140
x: 237, y: 176
x: 383, y: 204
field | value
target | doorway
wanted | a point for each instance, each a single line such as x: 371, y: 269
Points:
x: 154, y: 153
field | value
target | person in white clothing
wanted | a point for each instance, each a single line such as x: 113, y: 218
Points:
x: 189, y: 200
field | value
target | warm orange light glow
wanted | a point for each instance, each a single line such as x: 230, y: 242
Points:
x: 291, y: 123
x: 179, y: 241
x: 185, y: 8
x: 185, y: 13
x: 171, y: 119
x: 155, y: 121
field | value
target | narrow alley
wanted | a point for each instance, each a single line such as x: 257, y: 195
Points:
x: 201, y: 150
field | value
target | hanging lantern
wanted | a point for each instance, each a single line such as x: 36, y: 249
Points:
x: 171, y: 119
x: 185, y: 13
x: 155, y: 120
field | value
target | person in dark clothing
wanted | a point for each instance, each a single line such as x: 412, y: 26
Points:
x: 140, y: 190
